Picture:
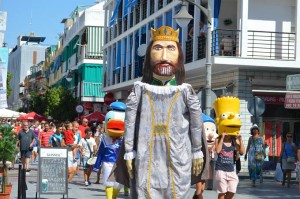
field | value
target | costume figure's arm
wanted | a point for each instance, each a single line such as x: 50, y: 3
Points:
x: 130, y: 122
x: 100, y: 156
x: 132, y: 105
x: 195, y: 123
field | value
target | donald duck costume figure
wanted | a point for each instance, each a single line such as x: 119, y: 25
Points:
x: 110, y: 145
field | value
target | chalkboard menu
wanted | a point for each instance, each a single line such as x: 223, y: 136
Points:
x: 53, y: 171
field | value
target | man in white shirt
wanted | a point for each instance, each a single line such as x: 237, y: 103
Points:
x: 88, y: 147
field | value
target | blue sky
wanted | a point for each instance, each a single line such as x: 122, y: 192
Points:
x: 39, y: 16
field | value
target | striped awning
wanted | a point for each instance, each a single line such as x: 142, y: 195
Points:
x: 94, y: 41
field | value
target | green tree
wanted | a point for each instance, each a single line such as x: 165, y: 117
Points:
x: 56, y: 102
x: 37, y: 103
x: 8, y: 87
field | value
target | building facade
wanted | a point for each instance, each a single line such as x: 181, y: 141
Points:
x: 75, y: 62
x: 28, y: 52
x: 255, y: 45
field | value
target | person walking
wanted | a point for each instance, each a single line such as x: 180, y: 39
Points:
x: 26, y: 139
x: 226, y: 177
x: 255, y: 154
x: 45, y: 135
x: 36, y: 131
x: 288, y: 158
x: 56, y: 139
x: 88, y: 147
x: 84, y: 125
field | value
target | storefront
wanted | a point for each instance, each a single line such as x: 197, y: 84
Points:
x: 276, y: 121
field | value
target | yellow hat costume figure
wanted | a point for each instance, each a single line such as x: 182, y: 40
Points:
x: 163, y: 125
x: 227, y: 110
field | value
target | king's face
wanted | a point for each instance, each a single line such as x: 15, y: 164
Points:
x: 164, y: 58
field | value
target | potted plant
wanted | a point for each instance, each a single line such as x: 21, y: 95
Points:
x: 227, y: 22
x: 8, y: 149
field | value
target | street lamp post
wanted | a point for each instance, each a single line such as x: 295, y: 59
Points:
x: 183, y: 18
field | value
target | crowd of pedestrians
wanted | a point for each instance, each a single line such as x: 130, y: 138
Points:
x: 83, y: 142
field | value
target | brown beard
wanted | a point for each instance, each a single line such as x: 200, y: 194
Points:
x: 164, y: 69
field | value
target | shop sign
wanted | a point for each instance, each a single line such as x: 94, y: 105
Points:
x: 293, y: 82
x: 292, y: 101
x: 272, y: 99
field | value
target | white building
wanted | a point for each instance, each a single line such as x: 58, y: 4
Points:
x: 28, y: 52
x: 78, y: 59
x: 259, y: 50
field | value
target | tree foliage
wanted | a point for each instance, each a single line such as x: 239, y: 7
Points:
x: 56, y: 102
x: 8, y: 87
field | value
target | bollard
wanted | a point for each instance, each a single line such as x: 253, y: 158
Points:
x: 19, y: 182
x: 24, y: 186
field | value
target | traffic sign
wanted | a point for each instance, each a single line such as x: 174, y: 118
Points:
x: 79, y: 108
x: 292, y: 101
x: 256, y: 106
x: 293, y: 82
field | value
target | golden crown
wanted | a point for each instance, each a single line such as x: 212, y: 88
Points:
x: 165, y: 33
x: 226, y: 104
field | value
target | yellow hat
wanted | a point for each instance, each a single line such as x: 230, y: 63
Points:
x: 165, y: 33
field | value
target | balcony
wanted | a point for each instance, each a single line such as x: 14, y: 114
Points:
x: 260, y: 45
x: 83, y: 54
x: 226, y: 42
x: 271, y: 45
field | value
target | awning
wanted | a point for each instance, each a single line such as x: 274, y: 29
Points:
x: 128, y: 4
x: 94, y: 41
x: 217, y: 6
x: 118, y: 61
x: 115, y: 14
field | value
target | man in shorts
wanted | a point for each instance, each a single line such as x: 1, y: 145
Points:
x: 88, y: 147
x: 26, y: 141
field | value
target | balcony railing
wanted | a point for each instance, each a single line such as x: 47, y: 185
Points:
x: 83, y: 54
x: 226, y: 42
x: 129, y: 72
x: 91, y: 89
x: 261, y: 45
x: 271, y: 45
x: 189, y: 49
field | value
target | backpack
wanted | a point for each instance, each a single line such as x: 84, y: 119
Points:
x: 55, y: 142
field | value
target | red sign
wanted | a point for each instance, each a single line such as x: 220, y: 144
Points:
x: 272, y: 99
x: 292, y: 101
x: 109, y: 98
x: 88, y: 106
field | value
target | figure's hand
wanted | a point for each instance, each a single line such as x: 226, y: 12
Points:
x: 197, y: 166
x: 129, y: 168
x: 223, y: 135
x: 239, y: 138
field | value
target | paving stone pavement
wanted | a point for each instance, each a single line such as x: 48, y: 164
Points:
x: 269, y: 189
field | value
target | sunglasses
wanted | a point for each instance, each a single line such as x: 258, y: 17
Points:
x: 289, y: 136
